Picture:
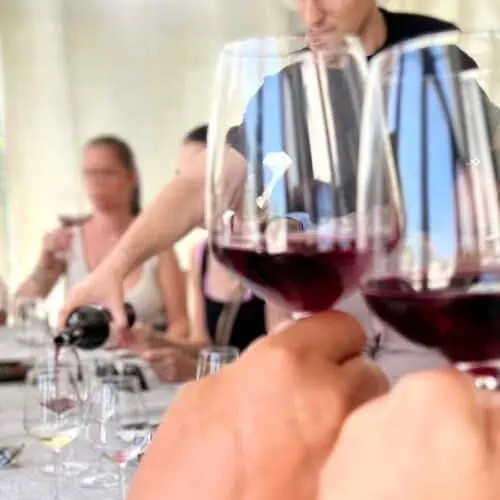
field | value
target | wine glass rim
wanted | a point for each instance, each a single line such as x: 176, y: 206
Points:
x: 449, y: 37
x: 278, y: 47
x: 219, y: 351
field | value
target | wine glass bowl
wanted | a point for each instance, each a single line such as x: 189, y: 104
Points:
x: 53, y: 411
x: 430, y: 126
x: 117, y: 425
x: 212, y: 359
x: 283, y: 155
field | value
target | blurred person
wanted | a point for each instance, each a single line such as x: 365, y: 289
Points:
x: 163, y: 224
x: 155, y: 288
x: 218, y: 302
x: 303, y: 414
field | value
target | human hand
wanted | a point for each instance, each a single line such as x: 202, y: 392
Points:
x: 141, y: 338
x: 54, y: 248
x: 262, y: 427
x: 104, y: 286
x: 171, y: 364
x: 430, y: 438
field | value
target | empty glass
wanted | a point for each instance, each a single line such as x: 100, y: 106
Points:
x: 117, y: 425
x: 213, y: 359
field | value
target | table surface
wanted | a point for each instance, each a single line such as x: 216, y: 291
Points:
x: 26, y: 481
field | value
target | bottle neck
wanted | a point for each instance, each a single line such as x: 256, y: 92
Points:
x: 68, y: 336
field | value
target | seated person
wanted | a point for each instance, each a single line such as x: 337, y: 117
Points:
x: 156, y: 290
x: 223, y: 312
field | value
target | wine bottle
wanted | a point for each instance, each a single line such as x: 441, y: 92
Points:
x: 88, y: 327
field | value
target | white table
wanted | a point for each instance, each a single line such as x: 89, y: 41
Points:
x: 28, y: 482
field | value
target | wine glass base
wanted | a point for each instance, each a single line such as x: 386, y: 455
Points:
x: 486, y: 374
x: 68, y: 469
x: 101, y: 480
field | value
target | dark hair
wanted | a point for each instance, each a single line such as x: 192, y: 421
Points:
x: 198, y: 134
x: 126, y: 157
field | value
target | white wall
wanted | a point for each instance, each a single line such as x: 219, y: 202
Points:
x: 468, y: 14
x: 74, y: 68
x: 139, y: 68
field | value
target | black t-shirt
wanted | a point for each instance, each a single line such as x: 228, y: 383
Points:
x: 260, y: 134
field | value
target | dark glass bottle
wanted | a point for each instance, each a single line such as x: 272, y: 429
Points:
x: 88, y: 327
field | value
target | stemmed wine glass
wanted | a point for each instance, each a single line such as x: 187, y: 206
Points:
x: 81, y: 375
x: 283, y: 156
x: 72, y: 212
x: 31, y: 316
x: 213, y: 359
x: 430, y: 127
x: 53, y: 411
x: 117, y: 425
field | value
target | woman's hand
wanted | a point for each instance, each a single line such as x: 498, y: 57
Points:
x: 54, y: 248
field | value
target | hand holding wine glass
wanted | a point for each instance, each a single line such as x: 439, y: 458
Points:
x: 286, y: 396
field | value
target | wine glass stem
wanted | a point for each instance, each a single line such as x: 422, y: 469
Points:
x: 122, y: 482
x: 57, y: 474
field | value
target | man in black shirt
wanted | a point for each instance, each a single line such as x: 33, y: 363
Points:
x: 163, y: 222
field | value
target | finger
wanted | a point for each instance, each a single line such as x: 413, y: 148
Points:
x: 362, y: 380
x: 119, y: 319
x: 333, y: 334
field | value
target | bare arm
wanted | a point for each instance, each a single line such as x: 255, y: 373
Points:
x: 175, y: 211
x: 178, y: 209
x: 173, y: 287
x: 39, y: 283
x: 49, y: 268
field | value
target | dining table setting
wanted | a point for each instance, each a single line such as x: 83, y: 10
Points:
x: 27, y: 470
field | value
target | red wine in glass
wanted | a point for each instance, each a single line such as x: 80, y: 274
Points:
x: 306, y: 277
x: 70, y: 221
x: 461, y: 320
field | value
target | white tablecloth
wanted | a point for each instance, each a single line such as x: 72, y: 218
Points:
x: 27, y: 481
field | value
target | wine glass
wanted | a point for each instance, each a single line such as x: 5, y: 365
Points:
x: 430, y: 126
x: 72, y: 209
x: 72, y: 212
x: 117, y: 425
x: 282, y: 156
x: 213, y: 359
x: 31, y: 317
x: 82, y: 378
x: 53, y: 411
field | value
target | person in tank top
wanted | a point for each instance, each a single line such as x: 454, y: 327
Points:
x: 156, y: 289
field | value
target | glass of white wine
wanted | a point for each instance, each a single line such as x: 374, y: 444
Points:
x: 117, y: 425
x: 53, y: 411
